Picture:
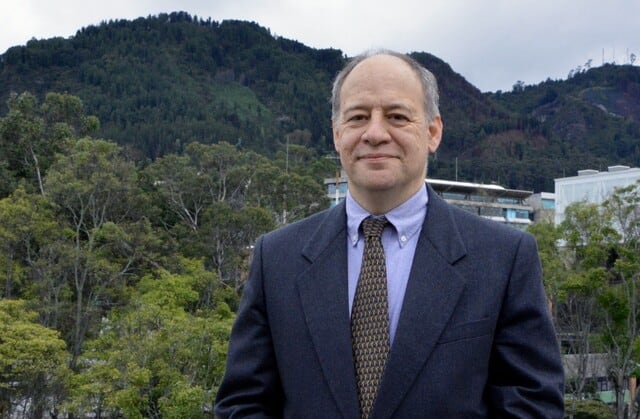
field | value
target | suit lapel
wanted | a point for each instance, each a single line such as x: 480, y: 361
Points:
x: 323, y: 294
x: 432, y: 293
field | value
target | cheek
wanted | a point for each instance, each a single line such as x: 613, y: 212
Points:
x: 423, y: 145
x: 338, y: 144
x: 344, y: 143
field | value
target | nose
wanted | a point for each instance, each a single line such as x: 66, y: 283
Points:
x: 376, y: 131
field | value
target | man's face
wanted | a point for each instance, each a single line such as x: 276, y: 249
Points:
x: 381, y: 132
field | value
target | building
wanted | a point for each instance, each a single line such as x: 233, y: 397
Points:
x: 594, y: 369
x: 591, y: 186
x: 336, y: 188
x: 491, y: 201
x: 544, y: 206
x: 495, y: 202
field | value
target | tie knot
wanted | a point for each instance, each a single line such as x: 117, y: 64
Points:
x: 372, y: 227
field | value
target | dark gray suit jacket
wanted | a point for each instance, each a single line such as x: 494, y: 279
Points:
x: 474, y: 339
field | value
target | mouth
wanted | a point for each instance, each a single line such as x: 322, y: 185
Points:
x: 373, y: 157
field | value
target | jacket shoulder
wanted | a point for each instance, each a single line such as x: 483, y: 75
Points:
x: 473, y: 230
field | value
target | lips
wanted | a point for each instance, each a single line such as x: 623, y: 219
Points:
x: 375, y: 156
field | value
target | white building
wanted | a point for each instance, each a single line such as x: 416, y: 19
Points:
x: 591, y: 186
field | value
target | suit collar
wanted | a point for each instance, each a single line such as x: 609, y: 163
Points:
x: 441, y: 230
x: 333, y: 224
x: 324, y: 296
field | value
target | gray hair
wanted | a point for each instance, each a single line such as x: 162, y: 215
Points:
x: 427, y: 80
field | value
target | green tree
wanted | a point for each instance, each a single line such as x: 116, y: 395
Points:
x: 226, y: 239
x: 553, y: 266
x: 22, y: 135
x: 602, y: 292
x: 181, y: 190
x: 26, y: 224
x: 96, y: 192
x: 290, y: 196
x: 33, y: 362
x: 223, y: 168
x: 160, y: 356
x: 31, y: 134
x: 588, y: 238
x: 621, y: 301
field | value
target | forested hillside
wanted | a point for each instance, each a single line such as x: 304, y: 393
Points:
x: 160, y: 82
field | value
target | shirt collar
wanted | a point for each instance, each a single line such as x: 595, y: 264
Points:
x: 407, y: 218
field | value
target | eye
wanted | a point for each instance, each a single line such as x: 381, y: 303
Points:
x: 398, y: 117
x: 358, y: 117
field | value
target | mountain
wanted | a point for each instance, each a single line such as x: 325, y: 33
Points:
x: 591, y: 120
x: 160, y: 82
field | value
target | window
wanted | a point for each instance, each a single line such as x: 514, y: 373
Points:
x: 512, y: 213
x: 509, y: 213
x: 603, y: 384
x: 507, y: 200
x: 331, y: 188
x: 548, y: 204
x: 453, y: 195
x: 479, y: 198
x: 491, y: 212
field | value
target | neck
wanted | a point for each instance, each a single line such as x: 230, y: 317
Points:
x: 382, y: 201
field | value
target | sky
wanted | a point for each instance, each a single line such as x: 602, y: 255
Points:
x: 491, y: 43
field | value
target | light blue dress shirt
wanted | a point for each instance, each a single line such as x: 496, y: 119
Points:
x: 399, y: 245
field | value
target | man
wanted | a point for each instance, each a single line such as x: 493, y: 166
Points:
x: 465, y: 332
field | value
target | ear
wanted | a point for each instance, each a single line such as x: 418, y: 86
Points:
x: 435, y: 134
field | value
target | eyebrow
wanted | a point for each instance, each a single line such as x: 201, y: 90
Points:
x: 390, y: 107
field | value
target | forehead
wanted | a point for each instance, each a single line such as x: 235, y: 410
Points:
x: 380, y: 77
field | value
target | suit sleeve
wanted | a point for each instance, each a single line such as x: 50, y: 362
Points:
x: 251, y: 385
x: 526, y: 377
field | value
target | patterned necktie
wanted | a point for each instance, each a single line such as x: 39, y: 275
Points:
x: 370, y: 316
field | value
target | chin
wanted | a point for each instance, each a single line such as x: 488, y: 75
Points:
x: 378, y: 185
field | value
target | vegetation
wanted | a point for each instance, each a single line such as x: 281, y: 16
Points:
x: 591, y: 265
x: 589, y: 409
x: 162, y: 82
x: 120, y: 278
